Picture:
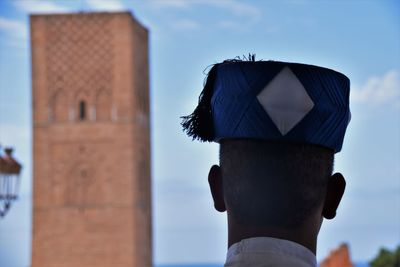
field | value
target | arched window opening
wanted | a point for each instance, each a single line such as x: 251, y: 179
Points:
x: 82, y: 110
x: 82, y: 104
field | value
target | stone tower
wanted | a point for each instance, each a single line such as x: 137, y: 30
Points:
x: 91, y: 141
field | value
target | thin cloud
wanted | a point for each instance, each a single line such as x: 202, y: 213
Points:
x: 237, y: 8
x: 105, y: 5
x: 41, y: 6
x: 233, y: 6
x: 17, y: 30
x: 185, y: 24
x: 13, y: 27
x: 170, y: 3
x: 379, y: 90
x: 242, y: 15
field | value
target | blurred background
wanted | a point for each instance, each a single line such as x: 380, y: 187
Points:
x: 358, y: 38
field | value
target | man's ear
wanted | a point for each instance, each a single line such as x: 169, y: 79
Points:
x: 334, y: 193
x: 216, y: 187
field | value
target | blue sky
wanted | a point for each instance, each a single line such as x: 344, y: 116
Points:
x: 359, y: 38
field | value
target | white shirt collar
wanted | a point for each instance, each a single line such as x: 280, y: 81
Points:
x: 282, y: 249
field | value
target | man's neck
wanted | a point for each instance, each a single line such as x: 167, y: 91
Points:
x: 305, y: 235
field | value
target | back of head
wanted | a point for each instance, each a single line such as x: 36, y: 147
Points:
x: 270, y: 183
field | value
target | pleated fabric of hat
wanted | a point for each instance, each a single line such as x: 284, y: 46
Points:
x: 272, y: 100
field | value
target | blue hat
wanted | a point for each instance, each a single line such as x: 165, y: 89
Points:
x: 272, y: 100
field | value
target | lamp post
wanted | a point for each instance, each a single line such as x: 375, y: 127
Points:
x: 9, y: 180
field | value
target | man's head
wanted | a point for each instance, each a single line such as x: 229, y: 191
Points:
x: 281, y: 185
x: 275, y: 184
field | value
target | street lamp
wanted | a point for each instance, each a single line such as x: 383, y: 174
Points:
x: 9, y: 180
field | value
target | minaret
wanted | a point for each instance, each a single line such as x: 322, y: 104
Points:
x: 91, y: 141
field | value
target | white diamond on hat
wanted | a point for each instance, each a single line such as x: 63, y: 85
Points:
x: 285, y: 100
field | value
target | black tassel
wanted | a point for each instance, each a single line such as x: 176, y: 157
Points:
x: 200, y: 125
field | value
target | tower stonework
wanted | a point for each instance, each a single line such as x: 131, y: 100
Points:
x: 91, y: 141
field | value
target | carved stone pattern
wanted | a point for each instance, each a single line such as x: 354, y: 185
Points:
x: 79, y: 54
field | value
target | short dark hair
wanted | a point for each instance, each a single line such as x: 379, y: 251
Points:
x: 269, y: 183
